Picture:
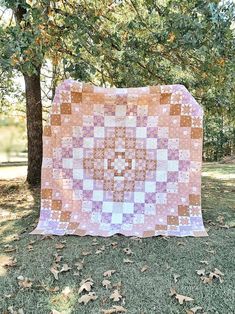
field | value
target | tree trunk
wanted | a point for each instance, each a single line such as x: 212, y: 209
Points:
x: 34, y: 127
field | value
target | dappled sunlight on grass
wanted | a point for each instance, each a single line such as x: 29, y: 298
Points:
x: 65, y: 300
x: 143, y: 292
x: 4, y: 260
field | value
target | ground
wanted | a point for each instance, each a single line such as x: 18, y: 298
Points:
x: 159, y: 264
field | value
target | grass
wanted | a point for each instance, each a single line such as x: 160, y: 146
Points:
x: 143, y: 292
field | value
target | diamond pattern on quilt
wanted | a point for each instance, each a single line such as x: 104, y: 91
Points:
x: 122, y: 160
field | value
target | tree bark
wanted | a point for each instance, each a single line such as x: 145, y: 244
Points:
x: 34, y: 127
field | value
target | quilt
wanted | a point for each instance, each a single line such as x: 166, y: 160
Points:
x: 122, y: 160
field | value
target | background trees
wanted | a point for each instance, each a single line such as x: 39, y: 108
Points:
x: 124, y: 43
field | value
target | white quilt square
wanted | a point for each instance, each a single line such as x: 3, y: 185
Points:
x: 78, y: 174
x: 128, y: 208
x: 150, y: 186
x: 88, y: 142
x: 98, y: 195
x: 116, y: 218
x: 173, y: 165
x: 67, y: 163
x: 88, y: 184
x: 151, y: 143
x: 77, y: 153
x: 139, y: 197
x: 99, y: 131
x: 161, y: 176
x: 107, y: 207
x: 141, y: 132
x: 162, y: 154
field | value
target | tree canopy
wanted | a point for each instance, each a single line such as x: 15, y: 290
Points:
x: 132, y: 43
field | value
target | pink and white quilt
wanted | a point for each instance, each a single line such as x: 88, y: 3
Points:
x: 122, y: 160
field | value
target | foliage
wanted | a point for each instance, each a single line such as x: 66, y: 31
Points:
x: 134, y: 43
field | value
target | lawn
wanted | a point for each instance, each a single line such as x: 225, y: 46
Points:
x: 145, y: 269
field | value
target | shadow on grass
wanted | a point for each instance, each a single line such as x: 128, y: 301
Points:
x: 146, y: 292
x: 19, y: 208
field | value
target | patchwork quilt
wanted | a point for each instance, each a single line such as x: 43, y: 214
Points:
x: 122, y: 160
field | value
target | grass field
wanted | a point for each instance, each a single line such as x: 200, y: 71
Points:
x: 157, y: 264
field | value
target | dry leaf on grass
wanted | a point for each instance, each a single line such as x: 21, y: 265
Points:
x: 114, y: 245
x: 86, y: 253
x: 100, y: 250
x: 115, y: 296
x: 115, y: 309
x: 127, y: 261
x: 208, y: 278
x: 24, y: 282
x: 30, y: 248
x: 59, y: 246
x: 51, y: 289
x: 10, y: 263
x: 47, y: 236
x: 128, y: 251
x: 58, y: 258
x: 106, y: 283
x: 109, y: 273
x: 144, y: 268
x: 65, y: 268
x: 175, y: 277
x: 181, y: 243
x: 86, y: 284
x: 53, y: 311
x: 10, y: 250
x: 201, y: 272
x: 194, y: 310
x: 91, y: 296
x: 181, y: 298
x: 54, y: 271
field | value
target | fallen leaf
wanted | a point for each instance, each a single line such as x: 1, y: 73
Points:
x: 211, y: 251
x: 59, y: 246
x: 91, y: 296
x: 127, y: 261
x: 115, y: 309
x: 10, y: 263
x: 201, y: 272
x: 143, y: 269
x: 181, y: 298
x: 206, y: 279
x: 58, y: 258
x: 47, y: 236
x: 53, y: 311
x: 106, y: 283
x: 181, y: 243
x: 24, y: 282
x: 218, y: 272
x: 55, y: 272
x: 64, y: 268
x: 175, y: 277
x: 109, y: 273
x: 66, y: 291
x: 86, y: 253
x: 86, y: 285
x: 52, y: 289
x: 115, y: 296
x: 128, y: 251
x: 30, y: 247
x: 204, y: 262
x: 194, y: 310
x: 100, y: 250
x: 10, y: 250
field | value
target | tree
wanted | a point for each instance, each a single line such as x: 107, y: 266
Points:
x: 123, y: 43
